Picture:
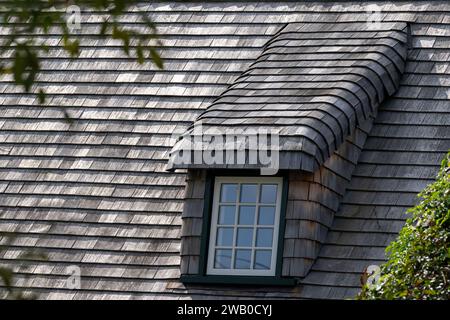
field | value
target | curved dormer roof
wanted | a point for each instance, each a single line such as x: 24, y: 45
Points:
x: 312, y: 85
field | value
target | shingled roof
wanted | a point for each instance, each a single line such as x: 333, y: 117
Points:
x: 96, y: 193
x: 311, y: 90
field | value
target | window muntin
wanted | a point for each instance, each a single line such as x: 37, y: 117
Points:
x: 244, y: 226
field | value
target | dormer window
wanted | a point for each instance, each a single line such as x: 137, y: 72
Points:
x: 244, y: 226
x: 318, y: 111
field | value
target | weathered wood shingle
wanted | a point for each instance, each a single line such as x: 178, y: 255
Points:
x: 311, y: 90
x: 60, y: 181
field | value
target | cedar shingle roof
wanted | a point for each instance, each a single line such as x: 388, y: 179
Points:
x: 310, y: 90
x: 96, y: 193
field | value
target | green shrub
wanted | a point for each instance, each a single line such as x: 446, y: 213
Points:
x: 418, y: 265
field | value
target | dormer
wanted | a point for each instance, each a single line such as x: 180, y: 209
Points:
x: 269, y: 160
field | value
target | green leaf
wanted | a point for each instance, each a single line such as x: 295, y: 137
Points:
x: 6, y: 275
x: 156, y: 58
x: 104, y: 27
x: 25, y: 66
x: 67, y: 116
x: 140, y: 54
x: 41, y: 96
x: 124, y: 36
x: 71, y: 46
x: 47, y: 23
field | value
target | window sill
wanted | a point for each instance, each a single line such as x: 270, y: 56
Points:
x: 238, y: 280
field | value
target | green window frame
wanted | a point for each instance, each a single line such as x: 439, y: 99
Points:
x: 203, y: 277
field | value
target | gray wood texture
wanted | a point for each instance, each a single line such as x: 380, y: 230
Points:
x: 312, y: 85
x: 96, y: 194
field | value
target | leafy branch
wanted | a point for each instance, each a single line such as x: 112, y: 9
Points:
x: 7, y: 279
x: 27, y: 20
x: 418, y: 265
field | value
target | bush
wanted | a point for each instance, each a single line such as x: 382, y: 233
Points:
x: 418, y: 265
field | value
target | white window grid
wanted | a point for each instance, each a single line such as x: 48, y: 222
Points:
x: 214, y: 226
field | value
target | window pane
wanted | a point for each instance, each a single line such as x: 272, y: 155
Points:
x: 247, y: 215
x: 262, y: 259
x: 266, y: 216
x: 264, y: 237
x: 268, y: 193
x: 248, y: 192
x: 242, y: 259
x: 228, y: 192
x: 222, y: 259
x: 226, y: 214
x: 243, y: 226
x: 244, y: 237
x: 224, y: 237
